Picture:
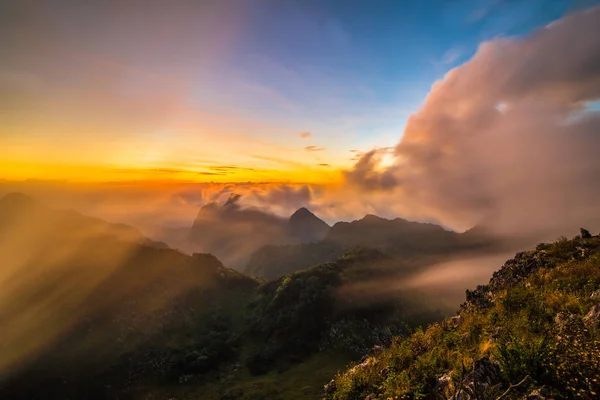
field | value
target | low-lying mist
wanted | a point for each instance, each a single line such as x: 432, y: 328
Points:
x: 440, y: 284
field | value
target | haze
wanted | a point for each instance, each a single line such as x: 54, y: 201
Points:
x: 426, y: 142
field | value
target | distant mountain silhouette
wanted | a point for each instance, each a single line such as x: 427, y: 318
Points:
x: 306, y: 227
x: 395, y: 237
x: 17, y: 209
x: 233, y: 233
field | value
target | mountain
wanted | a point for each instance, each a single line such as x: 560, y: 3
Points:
x: 397, y: 237
x: 272, y: 261
x: 89, y: 309
x: 532, y: 332
x: 233, y: 233
x: 306, y: 227
x: 19, y: 211
x: 299, y: 329
x: 90, y: 312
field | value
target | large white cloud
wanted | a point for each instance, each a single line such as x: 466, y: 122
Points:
x: 506, y: 137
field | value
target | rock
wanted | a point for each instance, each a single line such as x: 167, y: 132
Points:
x: 443, y: 384
x: 495, y: 333
x: 376, y: 350
x: 595, y: 295
x: 563, y: 321
x: 370, y: 397
x: 455, y: 321
x: 330, y: 387
x: 537, y: 394
x: 485, y: 374
x: 585, y: 234
x: 592, y: 318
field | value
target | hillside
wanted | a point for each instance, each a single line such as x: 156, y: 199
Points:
x: 21, y: 215
x: 89, y: 310
x: 272, y: 261
x: 396, y: 237
x: 299, y: 329
x: 534, y: 328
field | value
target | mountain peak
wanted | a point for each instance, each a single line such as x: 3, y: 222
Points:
x: 14, y: 203
x: 372, y: 217
x: 306, y: 226
x: 17, y: 197
x: 303, y: 212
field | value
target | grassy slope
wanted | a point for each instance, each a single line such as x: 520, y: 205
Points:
x: 530, y: 321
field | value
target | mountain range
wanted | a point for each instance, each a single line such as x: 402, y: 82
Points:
x: 397, y: 238
x: 233, y: 233
x: 95, y: 310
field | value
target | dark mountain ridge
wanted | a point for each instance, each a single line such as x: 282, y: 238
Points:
x: 396, y: 237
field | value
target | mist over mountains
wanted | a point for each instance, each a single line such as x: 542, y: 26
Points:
x: 233, y: 233
x: 117, y: 309
x: 123, y: 316
x: 458, y: 259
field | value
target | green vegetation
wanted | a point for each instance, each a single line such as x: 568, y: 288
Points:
x: 534, y: 326
x: 298, y: 331
x: 271, y: 261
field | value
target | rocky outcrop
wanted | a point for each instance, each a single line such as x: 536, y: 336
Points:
x: 474, y: 385
x: 592, y: 318
x: 563, y: 321
x: 585, y: 234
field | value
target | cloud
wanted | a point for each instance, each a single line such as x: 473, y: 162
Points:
x: 212, y: 173
x: 305, y: 135
x: 314, y: 148
x: 365, y: 172
x: 504, y: 137
x: 451, y: 55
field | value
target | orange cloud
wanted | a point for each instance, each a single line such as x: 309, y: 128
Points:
x: 314, y: 148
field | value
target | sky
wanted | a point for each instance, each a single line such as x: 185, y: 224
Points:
x: 228, y: 91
